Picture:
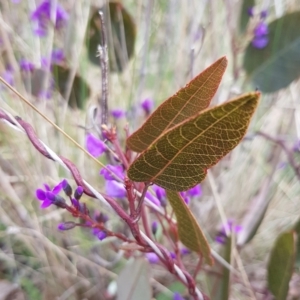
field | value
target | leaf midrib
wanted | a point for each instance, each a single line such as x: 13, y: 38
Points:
x: 182, y: 124
x: 186, y: 103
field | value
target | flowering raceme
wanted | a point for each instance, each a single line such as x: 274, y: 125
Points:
x: 42, y: 16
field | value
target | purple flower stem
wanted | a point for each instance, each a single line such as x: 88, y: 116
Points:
x: 189, y: 282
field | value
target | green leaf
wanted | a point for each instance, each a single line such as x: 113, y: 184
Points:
x: 297, y: 230
x: 121, y: 35
x: 281, y: 263
x: 187, y: 102
x: 80, y: 90
x: 179, y: 159
x: 134, y: 281
x: 244, y: 16
x: 278, y: 64
x: 189, y: 231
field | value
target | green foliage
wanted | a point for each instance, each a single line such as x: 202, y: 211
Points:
x: 121, y: 36
x: 134, y: 281
x: 80, y: 90
x: 30, y: 289
x: 190, y: 234
x: 278, y: 64
x: 244, y: 16
x: 178, y: 160
x: 280, y: 266
x: 189, y: 101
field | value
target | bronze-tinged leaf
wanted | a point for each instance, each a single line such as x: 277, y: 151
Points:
x: 189, y: 231
x: 179, y: 159
x: 187, y: 102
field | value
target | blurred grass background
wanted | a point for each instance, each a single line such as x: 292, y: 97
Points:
x: 175, y: 41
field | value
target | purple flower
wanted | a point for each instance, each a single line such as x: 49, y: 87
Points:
x: 26, y: 65
x: 101, y: 235
x: 118, y: 113
x: 66, y: 226
x: 263, y: 14
x: 250, y: 11
x: 114, y: 188
x: 8, y: 76
x: 185, y: 251
x: 94, y: 146
x: 261, y: 29
x: 153, y: 199
x: 195, y: 191
x: 229, y: 227
x: 154, y: 227
x: 177, y: 296
x: 78, y: 193
x: 160, y: 192
x: 47, y: 196
x: 147, y: 105
x: 152, y: 258
x: 57, y: 56
x: 42, y: 16
x: 117, y: 170
x: 261, y: 38
x: 260, y: 42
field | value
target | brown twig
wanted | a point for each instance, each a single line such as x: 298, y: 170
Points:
x: 104, y: 71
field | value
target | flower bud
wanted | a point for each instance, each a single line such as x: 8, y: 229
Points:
x: 66, y: 226
x: 78, y: 192
x: 67, y: 188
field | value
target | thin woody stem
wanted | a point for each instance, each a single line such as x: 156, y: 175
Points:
x: 104, y: 71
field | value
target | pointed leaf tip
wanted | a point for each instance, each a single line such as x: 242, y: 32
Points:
x: 187, y: 102
x: 178, y: 160
x: 189, y: 231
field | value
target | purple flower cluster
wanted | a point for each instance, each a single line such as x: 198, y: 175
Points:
x: 113, y: 187
x: 94, y: 145
x: 261, y: 30
x: 47, y: 12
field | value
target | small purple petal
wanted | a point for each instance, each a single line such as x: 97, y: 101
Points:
x: 154, y: 227
x: 250, y: 11
x: 94, y: 146
x: 172, y: 255
x: 152, y: 258
x: 57, y: 188
x: 177, y: 296
x: 8, y: 76
x: 160, y: 192
x: 50, y: 196
x: 26, y: 65
x: 78, y: 192
x: 195, y: 191
x: 47, y: 187
x: 185, y: 251
x: 261, y: 29
x: 57, y: 56
x: 75, y: 203
x: 147, y: 105
x: 102, y: 235
x: 237, y: 228
x: 46, y: 203
x: 220, y: 239
x: 153, y: 199
x: 40, y: 194
x: 66, y: 226
x: 260, y: 42
x: 263, y: 14
x: 118, y: 113
x: 117, y: 169
x: 115, y: 189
